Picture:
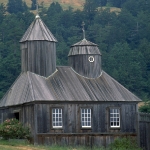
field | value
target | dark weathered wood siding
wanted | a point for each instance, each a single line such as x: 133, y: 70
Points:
x: 82, y: 66
x: 100, y: 120
x: 90, y: 140
x: 26, y: 115
x: 39, y: 57
x: 144, y: 131
x: 73, y: 134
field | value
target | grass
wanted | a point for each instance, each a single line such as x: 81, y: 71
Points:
x: 24, y: 145
x: 119, y: 144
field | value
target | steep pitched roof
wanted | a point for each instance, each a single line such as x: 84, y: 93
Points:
x: 65, y: 85
x: 38, y: 31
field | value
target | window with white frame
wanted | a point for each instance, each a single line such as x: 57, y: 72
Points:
x: 114, y: 117
x: 57, y: 117
x: 86, y: 117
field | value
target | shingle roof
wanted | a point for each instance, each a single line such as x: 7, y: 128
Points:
x: 84, y: 42
x: 65, y: 85
x: 84, y: 47
x: 38, y: 31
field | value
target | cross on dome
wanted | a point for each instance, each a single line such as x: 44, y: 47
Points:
x: 83, y: 24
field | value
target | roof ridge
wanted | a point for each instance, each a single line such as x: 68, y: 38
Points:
x: 31, y: 86
x: 84, y: 76
x: 43, y: 31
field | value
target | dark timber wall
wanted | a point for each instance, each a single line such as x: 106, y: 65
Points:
x: 38, y: 117
x: 39, y: 57
x: 81, y: 65
x: 26, y: 115
x: 144, y: 131
x: 72, y: 132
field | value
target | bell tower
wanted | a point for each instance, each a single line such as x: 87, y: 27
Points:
x: 38, y: 49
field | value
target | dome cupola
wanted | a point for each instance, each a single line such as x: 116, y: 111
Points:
x: 85, y: 58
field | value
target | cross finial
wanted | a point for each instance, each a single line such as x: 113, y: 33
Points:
x: 37, y: 9
x: 83, y: 24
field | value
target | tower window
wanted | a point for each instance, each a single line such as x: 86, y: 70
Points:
x: 91, y: 59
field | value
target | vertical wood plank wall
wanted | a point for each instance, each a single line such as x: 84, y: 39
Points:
x: 72, y: 133
x: 81, y: 65
x: 38, y: 57
x: 144, y: 131
x: 26, y: 115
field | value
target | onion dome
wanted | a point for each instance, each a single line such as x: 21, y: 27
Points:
x: 85, y: 59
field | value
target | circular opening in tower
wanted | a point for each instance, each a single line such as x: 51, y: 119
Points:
x: 91, y: 59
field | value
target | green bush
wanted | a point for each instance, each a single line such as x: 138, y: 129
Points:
x: 13, y: 129
x: 124, y: 144
x: 145, y: 108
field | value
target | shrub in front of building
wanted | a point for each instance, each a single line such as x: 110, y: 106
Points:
x: 13, y: 129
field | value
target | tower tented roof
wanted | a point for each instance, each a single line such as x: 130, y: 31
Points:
x: 84, y: 47
x: 38, y: 31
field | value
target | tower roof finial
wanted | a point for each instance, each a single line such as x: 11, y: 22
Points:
x: 83, y: 24
x: 37, y: 9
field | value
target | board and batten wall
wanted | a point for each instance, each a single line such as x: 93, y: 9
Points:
x: 38, y: 57
x: 37, y: 116
x: 82, y: 65
x: 144, y: 130
x: 72, y: 133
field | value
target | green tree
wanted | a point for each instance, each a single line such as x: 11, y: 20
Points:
x: 15, y: 6
x: 55, y: 8
x: 34, y: 4
x: 125, y: 66
x: 2, y: 12
x: 89, y: 10
x: 145, y: 108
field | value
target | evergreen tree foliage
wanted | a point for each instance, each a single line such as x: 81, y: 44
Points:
x: 34, y: 4
x: 145, y: 108
x: 54, y: 9
x: 123, y: 38
x: 2, y: 12
x: 15, y: 6
x: 89, y: 10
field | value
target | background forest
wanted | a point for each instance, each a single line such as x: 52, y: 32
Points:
x: 123, y: 36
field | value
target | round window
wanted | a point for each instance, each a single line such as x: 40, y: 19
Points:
x: 91, y: 59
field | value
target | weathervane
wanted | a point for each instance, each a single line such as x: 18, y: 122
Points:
x: 83, y: 24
